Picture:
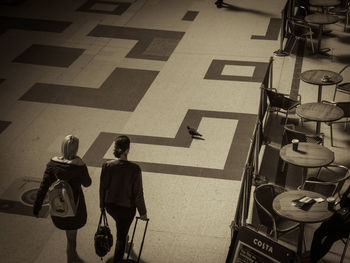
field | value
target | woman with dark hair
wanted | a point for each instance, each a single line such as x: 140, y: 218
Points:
x: 121, y: 192
x: 70, y: 168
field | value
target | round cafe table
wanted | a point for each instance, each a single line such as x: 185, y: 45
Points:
x: 319, y: 112
x: 283, y: 205
x: 315, y: 77
x: 324, y: 3
x: 308, y: 155
x: 321, y: 19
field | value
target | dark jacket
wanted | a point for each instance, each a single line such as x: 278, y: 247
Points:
x: 76, y: 174
x: 121, y: 184
x: 345, y: 199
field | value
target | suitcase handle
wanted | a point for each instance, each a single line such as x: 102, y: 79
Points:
x: 147, y: 219
x: 143, y: 238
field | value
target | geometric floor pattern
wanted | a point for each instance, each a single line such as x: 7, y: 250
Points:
x: 216, y: 70
x: 190, y: 16
x: 49, y: 55
x: 148, y: 69
x: 233, y: 164
x: 105, y: 7
x: 122, y: 90
x: 151, y: 44
x: 272, y: 31
x: 22, y: 23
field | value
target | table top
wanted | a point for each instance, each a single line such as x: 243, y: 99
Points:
x: 321, y: 18
x: 318, y: 212
x: 324, y: 3
x: 308, y: 155
x: 315, y: 77
x: 320, y: 112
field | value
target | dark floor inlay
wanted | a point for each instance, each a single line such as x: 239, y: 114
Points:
x: 152, y: 44
x: 234, y: 163
x: 49, y: 55
x: 4, y: 125
x: 190, y: 15
x: 20, y: 196
x: 122, y: 90
x: 2, y: 80
x: 216, y: 67
x: 32, y: 24
x: 272, y: 31
x: 105, y: 7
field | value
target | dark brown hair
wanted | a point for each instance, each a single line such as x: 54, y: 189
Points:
x: 121, y: 144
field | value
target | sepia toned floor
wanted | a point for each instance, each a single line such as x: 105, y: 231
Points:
x: 147, y: 69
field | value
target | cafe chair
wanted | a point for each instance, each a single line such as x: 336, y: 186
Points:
x: 343, y: 87
x: 276, y: 225
x: 342, y: 10
x: 331, y: 180
x: 280, y: 102
x: 291, y: 133
x: 301, y: 9
x: 345, y: 106
x: 300, y: 29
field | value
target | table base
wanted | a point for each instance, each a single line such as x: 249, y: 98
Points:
x: 281, y: 53
x: 323, y: 51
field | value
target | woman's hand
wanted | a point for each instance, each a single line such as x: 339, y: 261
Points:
x: 143, y: 217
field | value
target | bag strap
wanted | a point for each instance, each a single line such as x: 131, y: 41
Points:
x: 103, y: 219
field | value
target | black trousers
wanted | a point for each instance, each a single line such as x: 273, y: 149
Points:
x: 324, y: 237
x: 123, y: 217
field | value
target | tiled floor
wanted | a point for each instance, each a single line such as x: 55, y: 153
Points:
x: 145, y: 68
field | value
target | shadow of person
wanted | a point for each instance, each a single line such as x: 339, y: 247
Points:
x: 242, y: 9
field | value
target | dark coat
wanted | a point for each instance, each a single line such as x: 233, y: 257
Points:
x: 121, y: 184
x: 76, y: 174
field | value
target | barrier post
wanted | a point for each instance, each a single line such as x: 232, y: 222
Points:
x: 280, y: 52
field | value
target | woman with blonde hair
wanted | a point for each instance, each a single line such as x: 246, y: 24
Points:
x: 70, y: 168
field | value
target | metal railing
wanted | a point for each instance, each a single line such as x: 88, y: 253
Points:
x: 250, y: 174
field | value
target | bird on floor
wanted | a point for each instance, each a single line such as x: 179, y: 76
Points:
x: 193, y: 132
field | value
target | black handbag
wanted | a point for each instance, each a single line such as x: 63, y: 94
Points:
x: 343, y: 215
x: 103, y: 239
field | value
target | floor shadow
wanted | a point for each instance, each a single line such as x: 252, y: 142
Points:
x: 242, y: 9
x: 197, y: 138
x: 344, y: 39
x: 345, y: 59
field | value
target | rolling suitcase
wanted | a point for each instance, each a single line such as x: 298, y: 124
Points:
x: 127, y: 260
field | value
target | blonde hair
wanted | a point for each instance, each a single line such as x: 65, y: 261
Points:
x: 69, y: 147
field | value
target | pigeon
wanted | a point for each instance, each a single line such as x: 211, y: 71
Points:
x: 193, y: 132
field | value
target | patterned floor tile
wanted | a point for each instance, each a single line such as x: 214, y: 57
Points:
x: 122, y: 90
x: 235, y: 158
x: 272, y: 31
x: 152, y: 44
x: 54, y: 56
x: 190, y: 15
x: 32, y: 24
x: 105, y: 7
x: 216, y: 68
